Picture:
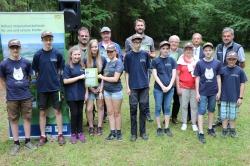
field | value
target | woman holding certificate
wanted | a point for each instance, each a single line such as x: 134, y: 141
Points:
x: 113, y: 92
x: 94, y: 61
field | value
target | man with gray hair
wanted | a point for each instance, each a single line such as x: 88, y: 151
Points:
x: 198, y: 51
x: 229, y: 45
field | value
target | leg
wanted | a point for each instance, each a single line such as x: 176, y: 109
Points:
x: 110, y: 111
x: 74, y: 116
x: 184, y: 104
x: 158, y: 95
x: 193, y: 105
x: 202, y: 106
x: 100, y: 108
x: 167, y: 98
x: 59, y: 122
x: 42, y: 122
x: 133, y: 102
x: 80, y: 117
x: 211, y: 110
x: 89, y: 105
x: 26, y: 109
x: 143, y: 106
x: 175, y: 106
x: 117, y: 107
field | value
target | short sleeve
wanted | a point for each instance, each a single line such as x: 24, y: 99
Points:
x: 119, y: 67
x: 2, y: 70
x: 66, y: 72
x: 126, y: 68
x: 153, y: 64
x: 152, y: 47
x: 243, y: 77
x: 241, y: 55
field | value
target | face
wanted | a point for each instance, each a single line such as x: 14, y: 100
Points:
x: 47, y: 41
x: 196, y: 40
x: 208, y: 51
x: 136, y: 44
x: 106, y: 36
x: 188, y: 51
x: 231, y: 62
x: 139, y: 27
x: 111, y: 54
x: 83, y: 37
x: 174, y: 44
x: 227, y: 37
x: 76, y: 56
x: 164, y: 50
x: 94, y: 48
x: 15, y: 51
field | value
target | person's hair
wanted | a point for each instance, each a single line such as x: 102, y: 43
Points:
x: 83, y: 29
x: 174, y: 37
x: 90, y: 57
x: 228, y: 29
x: 70, y: 52
x: 139, y: 20
x: 196, y: 34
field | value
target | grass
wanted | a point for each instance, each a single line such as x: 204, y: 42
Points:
x: 182, y: 149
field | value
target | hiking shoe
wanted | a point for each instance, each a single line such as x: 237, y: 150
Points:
x: 73, y: 139
x: 149, y: 119
x: 91, y: 131
x: 224, y: 132
x: 42, y: 140
x: 81, y: 137
x: 30, y: 146
x: 168, y: 132
x: 174, y: 121
x: 194, y: 127
x: 133, y: 138
x: 111, y: 136
x: 119, y: 136
x: 184, y: 127
x: 99, y: 131
x: 61, y: 140
x: 211, y: 132
x: 218, y: 123
x: 144, y: 136
x: 201, y: 138
x: 14, y: 150
x: 159, y: 132
x: 233, y: 133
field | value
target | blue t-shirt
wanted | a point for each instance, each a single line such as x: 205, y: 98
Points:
x: 16, y: 74
x: 74, y: 91
x: 109, y: 71
x: 231, y: 79
x: 208, y: 71
x: 164, y: 68
x: 136, y: 64
x: 48, y: 65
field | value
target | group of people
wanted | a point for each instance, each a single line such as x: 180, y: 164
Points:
x: 195, y: 78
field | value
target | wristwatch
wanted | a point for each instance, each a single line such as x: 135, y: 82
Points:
x: 241, y: 98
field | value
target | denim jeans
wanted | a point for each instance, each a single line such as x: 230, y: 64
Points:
x: 206, y: 103
x: 161, y: 98
x: 140, y: 96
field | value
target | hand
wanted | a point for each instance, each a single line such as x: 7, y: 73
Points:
x: 198, y: 97
x: 100, y: 76
x: 128, y: 91
x: 218, y: 96
x: 165, y: 89
x: 239, y: 102
x: 81, y: 76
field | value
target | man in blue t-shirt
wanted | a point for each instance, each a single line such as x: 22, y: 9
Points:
x: 48, y: 64
x: 233, y: 80
x: 208, y: 89
x: 136, y: 65
x: 15, y: 73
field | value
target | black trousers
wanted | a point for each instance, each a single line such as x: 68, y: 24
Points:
x: 76, y: 112
x: 140, y: 96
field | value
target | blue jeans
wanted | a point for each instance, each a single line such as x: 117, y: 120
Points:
x: 165, y: 98
x: 206, y: 103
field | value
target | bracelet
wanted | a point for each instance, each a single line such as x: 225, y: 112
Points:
x: 241, y: 98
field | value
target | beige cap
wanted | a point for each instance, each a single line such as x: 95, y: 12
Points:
x: 46, y: 33
x: 163, y: 43
x: 188, y: 45
x: 105, y: 29
x: 208, y: 44
x: 136, y: 36
x: 14, y: 42
x: 110, y: 47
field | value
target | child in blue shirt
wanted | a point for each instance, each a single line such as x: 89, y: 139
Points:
x: 208, y: 88
x: 232, y: 91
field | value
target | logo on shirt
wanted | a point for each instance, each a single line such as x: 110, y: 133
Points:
x: 209, y: 74
x: 53, y: 59
x: 18, y: 74
x: 142, y: 60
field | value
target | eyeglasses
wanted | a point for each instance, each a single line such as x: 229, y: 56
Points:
x: 231, y: 59
x: 109, y: 52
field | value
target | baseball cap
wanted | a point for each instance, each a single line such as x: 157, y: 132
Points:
x: 46, y: 33
x: 208, y: 44
x: 110, y: 47
x: 14, y: 42
x: 105, y: 29
x: 188, y: 45
x: 136, y: 36
x: 232, y: 55
x: 164, y: 43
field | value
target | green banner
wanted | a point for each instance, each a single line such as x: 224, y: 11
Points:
x: 27, y: 27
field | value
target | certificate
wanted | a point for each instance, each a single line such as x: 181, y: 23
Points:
x: 91, y: 77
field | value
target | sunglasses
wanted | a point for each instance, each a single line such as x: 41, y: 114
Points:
x: 231, y: 59
x: 14, y: 47
x: 109, y: 52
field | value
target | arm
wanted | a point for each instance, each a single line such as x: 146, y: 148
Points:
x: 115, y: 78
x: 242, y: 58
x: 2, y: 84
x: 74, y: 79
x: 242, y: 89
x: 197, y: 87
x: 172, y: 79
x: 219, y: 87
x: 127, y: 84
x: 157, y: 79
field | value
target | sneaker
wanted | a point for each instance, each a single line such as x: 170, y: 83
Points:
x: 111, y: 136
x: 159, y: 132
x: 42, y: 140
x: 73, y: 139
x: 233, y: 133
x: 133, y: 138
x: 194, y: 127
x: 91, y: 131
x: 168, y: 132
x: 30, y: 146
x: 149, y: 119
x: 81, y: 137
x: 14, y: 150
x: 224, y: 132
x: 184, y: 127
x: 144, y: 136
x: 99, y: 131
x: 218, y: 123
x: 211, y: 132
x: 61, y: 140
x: 201, y: 138
x: 119, y: 136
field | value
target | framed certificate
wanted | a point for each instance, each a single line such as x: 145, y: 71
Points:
x: 91, y: 77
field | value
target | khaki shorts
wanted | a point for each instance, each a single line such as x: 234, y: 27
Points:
x: 19, y: 107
